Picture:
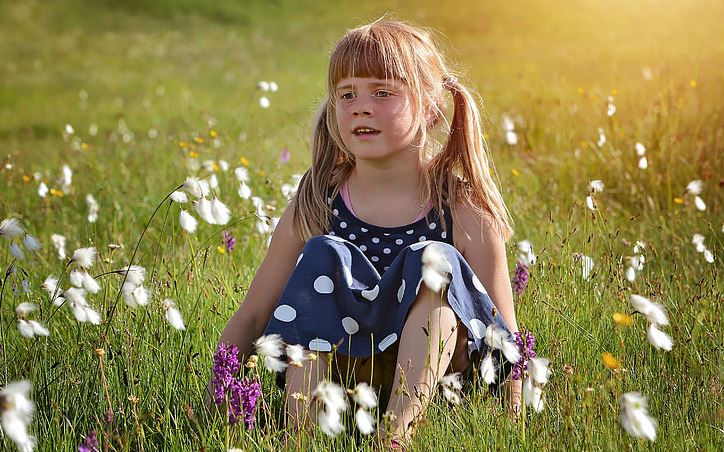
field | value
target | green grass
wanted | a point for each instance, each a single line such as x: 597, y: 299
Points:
x: 186, y: 68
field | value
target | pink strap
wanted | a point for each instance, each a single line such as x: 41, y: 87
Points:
x: 344, y: 191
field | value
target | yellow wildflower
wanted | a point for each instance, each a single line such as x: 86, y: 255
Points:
x: 622, y: 319
x: 55, y: 192
x: 678, y: 200
x: 26, y: 178
x: 182, y: 144
x: 614, y: 91
x: 610, y: 361
x: 515, y: 172
x: 221, y: 249
x: 198, y: 140
x: 580, y: 91
x: 84, y: 146
x: 193, y: 154
x: 212, y: 133
x: 692, y: 83
x: 244, y: 161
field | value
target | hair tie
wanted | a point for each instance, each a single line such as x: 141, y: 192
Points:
x: 449, y: 82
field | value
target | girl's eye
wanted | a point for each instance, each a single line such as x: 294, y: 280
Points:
x: 347, y: 96
x: 384, y: 93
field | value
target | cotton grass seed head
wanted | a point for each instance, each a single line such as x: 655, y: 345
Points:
x: 364, y: 396
x: 654, y: 312
x: 635, y: 417
x: 58, y: 242
x: 31, y: 243
x: 179, y: 197
x: 17, y: 413
x: 84, y: 257
x: 658, y: 338
x: 188, y: 222
x: 10, y: 228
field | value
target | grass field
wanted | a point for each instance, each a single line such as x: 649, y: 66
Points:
x: 151, y: 90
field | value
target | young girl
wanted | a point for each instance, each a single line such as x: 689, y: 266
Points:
x: 344, y: 267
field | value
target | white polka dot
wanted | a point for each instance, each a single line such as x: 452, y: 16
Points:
x: 422, y: 238
x: 364, y: 229
x: 343, y: 225
x: 478, y: 285
x: 443, y: 234
x: 432, y: 226
x: 320, y: 345
x: 352, y: 236
x: 375, y: 259
x: 331, y: 232
x: 348, y: 275
x: 387, y: 251
x: 387, y: 341
x: 417, y: 289
x: 375, y: 240
x: 350, y: 325
x: 323, y: 284
x: 299, y: 259
x: 417, y: 246
x: 285, y: 313
x: 477, y: 328
x: 329, y: 200
x: 371, y: 294
x: 399, y: 241
x: 385, y: 267
x: 362, y: 248
x: 410, y: 232
x: 335, y: 212
x: 386, y: 234
x: 401, y: 291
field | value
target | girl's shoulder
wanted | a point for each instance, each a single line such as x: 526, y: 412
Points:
x: 474, y: 229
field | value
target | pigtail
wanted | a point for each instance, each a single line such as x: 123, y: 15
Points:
x: 462, y: 169
x: 321, y: 181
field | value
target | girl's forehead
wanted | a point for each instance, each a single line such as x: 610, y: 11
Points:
x: 348, y: 82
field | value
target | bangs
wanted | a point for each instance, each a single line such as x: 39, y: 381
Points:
x: 370, y: 52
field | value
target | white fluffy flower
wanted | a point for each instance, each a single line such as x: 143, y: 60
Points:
x: 271, y: 347
x: 241, y: 174
x: 451, y: 385
x: 52, y: 287
x: 589, y: 203
x: 709, y: 256
x: 538, y: 370
x: 93, y: 208
x: 16, y: 251
x: 586, y: 266
x: 699, y: 203
x: 435, y: 267
x: 488, y: 370
x: 179, y: 197
x: 601, y: 138
x: 332, y: 396
x: 10, y: 228
x: 330, y: 422
x: 533, y: 395
x: 134, y: 296
x: 31, y: 243
x: 58, y: 242
x: 526, y: 255
x: 25, y: 308
x: 654, y: 312
x: 244, y: 191
x: 640, y: 149
x: 17, y: 414
x: 698, y: 241
x: 496, y: 338
x: 31, y: 328
x: 187, y: 221
x: 635, y: 416
x: 295, y: 355
x: 84, y: 257
x: 219, y: 212
x: 658, y: 338
x: 643, y: 163
x: 89, y: 283
x: 203, y: 209
x: 76, y: 278
x: 196, y: 187
x: 596, y: 186
x: 694, y: 187
x: 264, y: 102
x: 173, y: 316
x: 365, y: 422
x: 67, y: 179
x: 135, y: 274
x: 42, y: 190
x: 364, y: 396
x: 631, y: 274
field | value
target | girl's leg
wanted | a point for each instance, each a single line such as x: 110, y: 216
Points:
x: 300, y: 383
x: 426, y: 348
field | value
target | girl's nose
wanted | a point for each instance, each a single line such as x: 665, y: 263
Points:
x: 362, y: 109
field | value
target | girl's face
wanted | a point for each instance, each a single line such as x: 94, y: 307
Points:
x: 375, y: 117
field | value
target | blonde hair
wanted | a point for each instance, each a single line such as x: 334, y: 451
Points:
x: 459, y: 170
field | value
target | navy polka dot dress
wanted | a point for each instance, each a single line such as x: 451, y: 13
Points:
x: 353, y: 287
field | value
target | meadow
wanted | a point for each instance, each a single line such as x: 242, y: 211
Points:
x: 134, y: 97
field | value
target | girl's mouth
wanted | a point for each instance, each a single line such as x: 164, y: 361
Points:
x: 365, y: 132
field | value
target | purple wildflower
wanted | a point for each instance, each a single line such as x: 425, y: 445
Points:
x: 520, y: 278
x: 226, y: 365
x: 90, y: 444
x: 525, y: 347
x: 229, y: 241
x: 243, y: 401
x: 285, y: 155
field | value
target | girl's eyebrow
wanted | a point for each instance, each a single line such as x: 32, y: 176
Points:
x: 388, y: 83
